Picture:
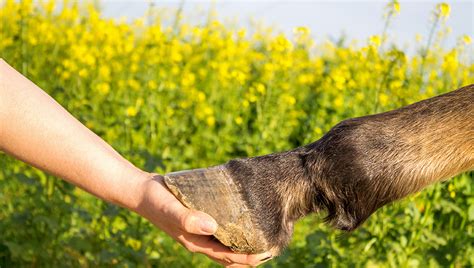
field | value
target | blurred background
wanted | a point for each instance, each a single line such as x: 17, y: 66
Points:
x: 326, y: 19
x: 179, y: 85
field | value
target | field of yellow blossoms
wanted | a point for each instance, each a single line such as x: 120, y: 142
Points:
x: 170, y: 95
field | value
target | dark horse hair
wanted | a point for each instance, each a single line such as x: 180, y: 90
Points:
x: 360, y: 165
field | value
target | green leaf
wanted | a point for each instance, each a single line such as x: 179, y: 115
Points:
x: 470, y: 212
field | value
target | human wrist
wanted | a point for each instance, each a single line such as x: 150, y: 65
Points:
x: 152, y: 198
x: 132, y: 191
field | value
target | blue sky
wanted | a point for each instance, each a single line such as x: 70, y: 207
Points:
x: 356, y: 19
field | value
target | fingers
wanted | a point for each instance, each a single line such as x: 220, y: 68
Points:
x: 197, y: 222
x: 236, y: 266
x: 224, y: 263
x: 264, y: 260
x: 191, y: 221
x: 228, y: 264
x: 215, y: 250
x: 192, y: 228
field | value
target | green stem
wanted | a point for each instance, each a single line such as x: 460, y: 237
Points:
x: 426, y: 50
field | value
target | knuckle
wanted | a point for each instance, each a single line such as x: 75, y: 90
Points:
x: 187, y: 221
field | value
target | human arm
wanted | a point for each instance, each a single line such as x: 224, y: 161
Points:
x: 37, y: 130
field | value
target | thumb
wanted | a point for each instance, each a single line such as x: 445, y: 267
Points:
x: 197, y: 222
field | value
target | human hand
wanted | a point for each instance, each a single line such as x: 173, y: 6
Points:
x: 192, y: 229
x: 37, y: 130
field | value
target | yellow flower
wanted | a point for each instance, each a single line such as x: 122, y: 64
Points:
x: 396, y: 6
x: 175, y: 70
x: 135, y: 57
x: 103, y: 88
x: 152, y: 85
x: 383, y: 99
x: 421, y: 207
x: 260, y: 88
x: 70, y: 65
x: 202, y: 72
x: 49, y: 6
x: 318, y: 131
x: 65, y: 75
x: 184, y: 104
x: 108, y: 52
x: 397, y: 84
x: 139, y: 22
x: 6, y: 42
x: 238, y: 120
x: 375, y: 40
x: 241, y: 33
x: 252, y: 98
x: 201, y: 96
x: 303, y: 30
x: 207, y: 111
x: 83, y: 73
x: 210, y: 121
x: 32, y: 40
x: 289, y: 100
x: 134, y: 68
x: 133, y: 243
x: 169, y: 111
x: 131, y: 111
x: 443, y: 10
x: 451, y: 187
x: 104, y: 72
x: 176, y: 55
x: 338, y: 101
x: 418, y: 37
x: 466, y: 39
x: 118, y: 225
x: 188, y: 79
x: 89, y: 60
x: 304, y: 79
x: 133, y: 84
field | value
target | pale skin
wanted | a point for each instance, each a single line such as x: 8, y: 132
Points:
x: 34, y: 128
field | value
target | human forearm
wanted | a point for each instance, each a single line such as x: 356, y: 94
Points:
x: 36, y: 129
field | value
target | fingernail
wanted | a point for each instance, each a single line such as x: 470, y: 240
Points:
x: 267, y: 258
x: 209, y: 227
